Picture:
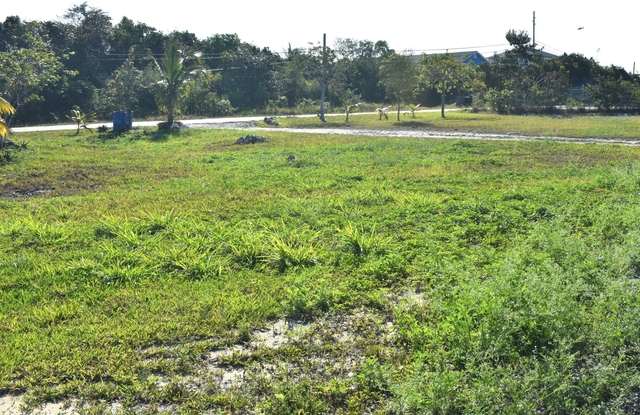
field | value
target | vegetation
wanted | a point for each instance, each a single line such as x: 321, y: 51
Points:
x: 446, y: 75
x: 433, y: 276
x: 175, y: 75
x: 399, y: 76
x: 5, y: 108
x: 80, y: 119
x: 176, y: 271
x: 85, y: 60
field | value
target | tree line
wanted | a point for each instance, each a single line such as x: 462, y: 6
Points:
x: 85, y: 62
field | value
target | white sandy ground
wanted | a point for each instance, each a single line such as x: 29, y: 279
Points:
x: 275, y: 335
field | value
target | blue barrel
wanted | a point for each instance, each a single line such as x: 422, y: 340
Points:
x: 119, y: 121
x: 122, y: 121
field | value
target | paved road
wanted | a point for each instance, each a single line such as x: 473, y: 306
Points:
x: 248, y: 123
x: 204, y: 122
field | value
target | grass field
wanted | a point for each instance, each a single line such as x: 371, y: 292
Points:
x: 421, y: 276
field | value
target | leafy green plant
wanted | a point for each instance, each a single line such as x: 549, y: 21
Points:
x: 360, y: 243
x: 293, y: 247
x: 80, y: 119
x: 5, y: 108
x: 5, y: 156
x: 413, y: 108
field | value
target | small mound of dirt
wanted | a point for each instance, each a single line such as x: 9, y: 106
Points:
x: 251, y: 139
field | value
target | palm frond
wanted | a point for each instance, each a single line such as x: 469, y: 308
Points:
x: 5, y: 108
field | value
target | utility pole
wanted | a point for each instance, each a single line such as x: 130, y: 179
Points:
x: 324, y: 75
x: 534, y: 29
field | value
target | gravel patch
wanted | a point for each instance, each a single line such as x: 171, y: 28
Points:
x: 415, y: 133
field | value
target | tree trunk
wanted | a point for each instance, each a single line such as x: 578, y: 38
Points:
x: 442, y: 101
x: 170, y: 116
x: 322, y: 103
x: 399, y: 103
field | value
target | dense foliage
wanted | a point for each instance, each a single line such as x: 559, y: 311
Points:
x: 84, y: 61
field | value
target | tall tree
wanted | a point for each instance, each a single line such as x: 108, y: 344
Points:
x: 614, y: 88
x: 250, y: 77
x: 445, y: 74
x: 89, y: 36
x: 521, y: 79
x: 358, y: 66
x: 219, y: 43
x: 124, y: 90
x: 297, y: 86
x: 129, y: 37
x: 175, y: 70
x: 26, y: 71
x: 399, y: 75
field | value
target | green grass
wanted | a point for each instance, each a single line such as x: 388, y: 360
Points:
x: 437, y: 276
x: 578, y: 126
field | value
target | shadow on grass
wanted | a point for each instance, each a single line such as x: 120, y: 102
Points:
x: 162, y: 135
x: 412, y: 124
x: 154, y: 135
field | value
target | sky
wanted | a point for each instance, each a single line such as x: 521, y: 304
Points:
x: 608, y: 35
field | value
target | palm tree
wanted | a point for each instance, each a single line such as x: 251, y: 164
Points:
x: 5, y: 108
x: 80, y: 119
x: 176, y: 68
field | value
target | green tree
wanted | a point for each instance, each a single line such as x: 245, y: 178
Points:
x: 399, y: 75
x: 523, y: 80
x: 297, y: 86
x: 89, y: 34
x: 446, y: 75
x: 214, y: 46
x: 26, y: 71
x: 250, y: 78
x: 129, y: 37
x: 127, y: 88
x: 614, y: 88
x: 358, y: 66
x: 176, y: 69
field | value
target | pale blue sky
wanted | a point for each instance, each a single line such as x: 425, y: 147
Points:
x: 609, y: 35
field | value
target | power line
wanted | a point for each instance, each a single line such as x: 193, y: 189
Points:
x: 551, y: 47
x: 462, y: 48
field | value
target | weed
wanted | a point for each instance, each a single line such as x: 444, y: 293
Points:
x: 360, y: 243
x: 124, y: 284
x: 293, y: 247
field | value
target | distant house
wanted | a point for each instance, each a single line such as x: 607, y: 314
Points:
x: 471, y: 57
x: 545, y: 55
x: 474, y: 58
